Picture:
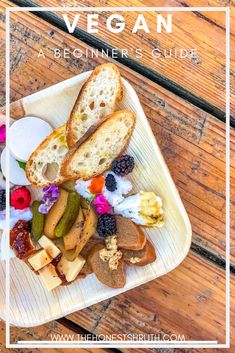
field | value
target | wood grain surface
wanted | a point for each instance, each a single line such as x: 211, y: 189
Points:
x: 192, y: 141
x: 53, y: 329
x: 189, y: 300
x: 202, y: 74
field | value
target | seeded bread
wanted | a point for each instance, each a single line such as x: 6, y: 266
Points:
x: 97, y: 98
x: 129, y: 235
x: 140, y: 257
x: 95, y: 155
x: 44, y: 164
x: 112, y: 278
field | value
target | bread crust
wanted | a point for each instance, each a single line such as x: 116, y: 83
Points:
x: 69, y: 131
x: 42, y: 146
x: 86, y: 138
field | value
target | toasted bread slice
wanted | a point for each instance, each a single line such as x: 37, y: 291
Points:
x: 95, y: 155
x: 140, y: 257
x: 129, y: 235
x: 97, y: 98
x: 112, y: 278
x: 44, y: 164
x: 93, y: 242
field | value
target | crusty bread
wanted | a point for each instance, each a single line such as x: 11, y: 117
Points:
x: 97, y: 98
x: 44, y: 164
x: 112, y: 278
x: 129, y: 235
x: 140, y: 257
x: 95, y: 155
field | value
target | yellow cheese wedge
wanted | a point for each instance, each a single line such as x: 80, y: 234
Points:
x: 39, y: 260
x: 49, y: 246
x: 71, y: 268
x: 50, y: 277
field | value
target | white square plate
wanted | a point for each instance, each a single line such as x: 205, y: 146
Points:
x: 31, y: 303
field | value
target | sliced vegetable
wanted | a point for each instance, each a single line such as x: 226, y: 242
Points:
x: 72, y: 238
x: 70, y: 255
x: 37, y: 221
x: 55, y: 214
x: 88, y: 230
x: 69, y: 216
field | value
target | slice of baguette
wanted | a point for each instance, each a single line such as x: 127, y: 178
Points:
x: 95, y: 155
x: 97, y: 98
x: 44, y: 164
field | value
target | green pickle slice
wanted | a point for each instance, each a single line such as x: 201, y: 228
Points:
x: 69, y: 216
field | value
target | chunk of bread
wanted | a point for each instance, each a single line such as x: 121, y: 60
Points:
x: 129, y: 235
x: 111, y: 278
x: 140, y: 257
x: 43, y: 166
x: 95, y: 155
x: 97, y: 98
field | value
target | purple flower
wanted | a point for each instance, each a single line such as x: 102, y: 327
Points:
x: 2, y: 133
x: 51, y: 194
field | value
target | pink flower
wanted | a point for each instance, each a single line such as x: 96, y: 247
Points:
x: 102, y: 205
x: 2, y: 133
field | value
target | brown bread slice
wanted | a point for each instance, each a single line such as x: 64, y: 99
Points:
x: 97, y: 98
x: 97, y: 151
x: 111, y: 278
x: 140, y: 257
x: 129, y: 235
x: 86, y: 270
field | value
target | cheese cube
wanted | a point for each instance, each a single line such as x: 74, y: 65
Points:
x: 50, y: 277
x: 39, y: 260
x: 71, y: 268
x: 49, y: 246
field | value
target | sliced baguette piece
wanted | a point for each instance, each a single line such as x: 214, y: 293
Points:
x: 111, y: 278
x: 129, y: 235
x: 97, y: 98
x: 95, y: 155
x: 140, y: 257
x: 43, y: 166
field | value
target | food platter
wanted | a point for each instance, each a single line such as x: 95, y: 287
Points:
x: 31, y: 303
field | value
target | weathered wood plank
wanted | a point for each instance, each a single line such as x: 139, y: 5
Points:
x: 188, y: 301
x: 192, y: 142
x: 202, y: 74
x: 47, y: 332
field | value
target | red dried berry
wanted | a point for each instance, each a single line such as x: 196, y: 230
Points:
x: 20, y: 198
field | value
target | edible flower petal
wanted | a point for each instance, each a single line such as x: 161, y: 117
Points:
x: 2, y: 133
x: 96, y: 185
x: 50, y: 196
x: 144, y: 208
x: 102, y: 205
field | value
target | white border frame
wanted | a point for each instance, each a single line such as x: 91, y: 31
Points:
x: 126, y: 344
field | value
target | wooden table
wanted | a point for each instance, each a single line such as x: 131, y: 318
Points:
x: 184, y: 102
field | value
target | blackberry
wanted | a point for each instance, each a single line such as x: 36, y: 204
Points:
x: 2, y: 200
x: 106, y: 225
x: 110, y: 182
x: 123, y: 165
